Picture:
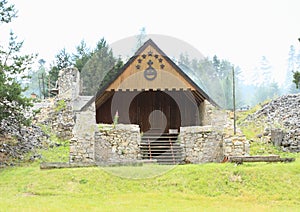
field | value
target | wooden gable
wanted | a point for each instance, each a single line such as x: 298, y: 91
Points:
x: 150, y: 69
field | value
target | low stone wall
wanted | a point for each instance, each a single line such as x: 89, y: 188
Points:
x: 236, y: 146
x: 117, y: 143
x: 201, y: 144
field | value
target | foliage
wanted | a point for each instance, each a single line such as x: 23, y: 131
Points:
x: 214, y: 76
x: 60, y: 105
x: 62, y: 60
x: 7, y: 12
x: 266, y: 92
x: 38, y: 82
x: 83, y: 54
x: 296, y: 79
x: 13, y: 67
x: 100, y: 63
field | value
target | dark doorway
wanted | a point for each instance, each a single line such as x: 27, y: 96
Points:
x: 155, y: 111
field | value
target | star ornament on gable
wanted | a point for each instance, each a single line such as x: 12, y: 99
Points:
x: 150, y: 63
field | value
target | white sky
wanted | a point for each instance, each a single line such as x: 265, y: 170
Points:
x: 238, y: 30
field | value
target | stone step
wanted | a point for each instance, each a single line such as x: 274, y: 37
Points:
x: 160, y: 146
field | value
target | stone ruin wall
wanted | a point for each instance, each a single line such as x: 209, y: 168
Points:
x: 203, y: 144
x: 117, y: 143
x: 82, y: 145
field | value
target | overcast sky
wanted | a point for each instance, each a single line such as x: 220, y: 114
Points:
x: 238, y: 30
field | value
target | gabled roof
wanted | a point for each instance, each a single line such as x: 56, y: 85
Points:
x: 136, y: 66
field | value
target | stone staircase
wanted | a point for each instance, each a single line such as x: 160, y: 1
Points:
x: 163, y: 148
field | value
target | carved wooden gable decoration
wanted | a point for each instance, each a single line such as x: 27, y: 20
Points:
x: 150, y: 69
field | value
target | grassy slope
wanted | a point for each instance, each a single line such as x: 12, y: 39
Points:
x: 257, y: 186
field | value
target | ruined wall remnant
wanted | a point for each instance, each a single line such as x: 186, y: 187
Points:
x: 82, y: 145
x: 201, y: 144
x: 69, y: 83
x: 236, y: 145
x: 117, y: 143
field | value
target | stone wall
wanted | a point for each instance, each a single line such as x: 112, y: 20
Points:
x: 69, y: 83
x: 62, y: 118
x: 57, y: 114
x: 236, y: 146
x: 201, y: 144
x: 117, y: 143
x: 82, y: 148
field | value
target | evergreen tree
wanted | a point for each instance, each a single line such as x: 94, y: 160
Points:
x: 296, y: 79
x: 140, y: 38
x: 289, y: 87
x: 95, y: 69
x: 13, y: 66
x: 38, y: 82
x: 62, y: 60
x: 83, y: 54
x: 214, y: 76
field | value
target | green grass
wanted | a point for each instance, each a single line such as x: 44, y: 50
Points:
x: 251, y: 186
x: 208, y: 187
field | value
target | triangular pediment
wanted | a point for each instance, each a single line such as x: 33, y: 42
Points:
x: 151, y: 69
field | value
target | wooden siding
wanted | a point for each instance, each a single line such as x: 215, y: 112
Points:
x: 167, y: 77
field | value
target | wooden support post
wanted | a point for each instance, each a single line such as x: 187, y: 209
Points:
x: 233, y: 101
x: 171, y: 146
x: 149, y: 146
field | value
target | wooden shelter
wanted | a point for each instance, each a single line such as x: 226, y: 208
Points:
x: 153, y: 92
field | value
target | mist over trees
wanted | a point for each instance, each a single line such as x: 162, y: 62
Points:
x: 293, y: 68
x: 214, y: 76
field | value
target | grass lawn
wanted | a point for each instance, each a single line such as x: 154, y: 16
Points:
x: 210, y: 187
x: 216, y: 187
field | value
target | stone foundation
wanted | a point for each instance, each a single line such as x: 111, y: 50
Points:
x: 236, y: 146
x: 117, y: 143
x: 201, y: 144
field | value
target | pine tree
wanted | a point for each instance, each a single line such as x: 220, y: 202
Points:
x: 296, y: 79
x: 101, y: 63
